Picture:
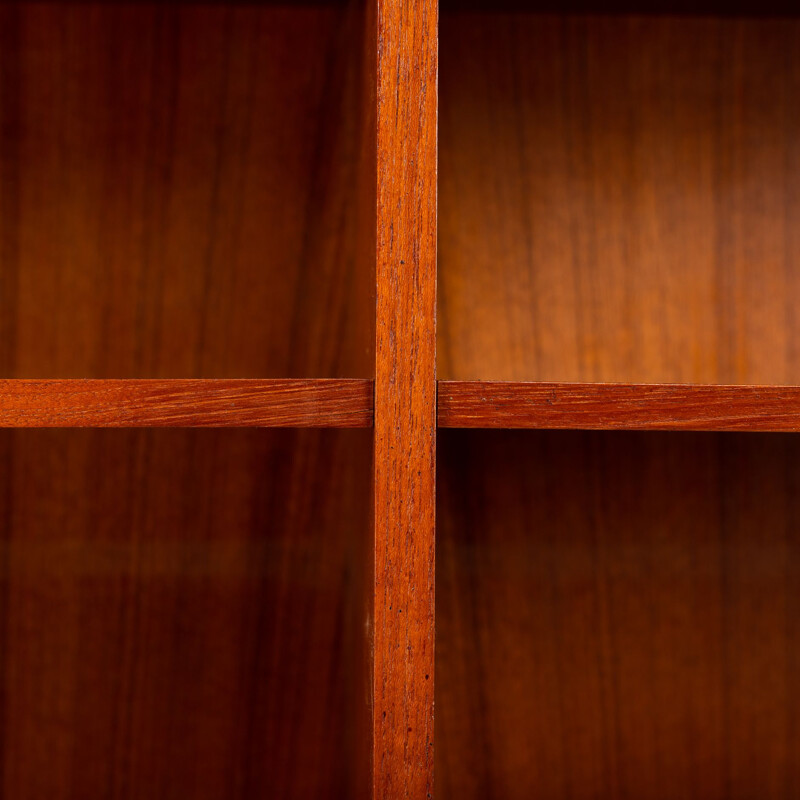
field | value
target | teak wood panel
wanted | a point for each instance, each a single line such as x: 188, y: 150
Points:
x: 617, y: 406
x: 405, y: 399
x: 179, y: 613
x: 618, y: 615
x: 619, y: 198
x: 180, y: 191
x: 691, y: 8
x: 275, y: 403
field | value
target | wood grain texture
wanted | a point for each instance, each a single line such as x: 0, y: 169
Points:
x: 618, y: 615
x: 617, y: 406
x: 363, y: 678
x: 179, y: 615
x: 405, y: 399
x: 691, y: 8
x: 180, y: 191
x: 619, y: 199
x: 321, y: 403
x: 185, y: 190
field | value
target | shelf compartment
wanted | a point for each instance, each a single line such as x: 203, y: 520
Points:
x: 617, y: 615
x: 619, y: 196
x: 182, y: 613
x: 320, y: 403
x: 186, y: 190
x: 617, y: 406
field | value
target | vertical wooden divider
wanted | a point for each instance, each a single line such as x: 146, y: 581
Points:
x: 405, y: 399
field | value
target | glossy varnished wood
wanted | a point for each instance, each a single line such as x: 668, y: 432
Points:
x: 180, y: 191
x: 179, y: 615
x: 321, y: 403
x: 362, y: 680
x: 617, y: 615
x: 186, y: 191
x: 609, y: 406
x: 692, y: 8
x: 619, y: 198
x: 405, y: 399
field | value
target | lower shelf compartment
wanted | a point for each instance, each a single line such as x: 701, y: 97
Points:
x: 618, y: 615
x: 181, y: 613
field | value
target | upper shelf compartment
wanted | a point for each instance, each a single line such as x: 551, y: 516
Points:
x: 185, y: 190
x: 619, y: 196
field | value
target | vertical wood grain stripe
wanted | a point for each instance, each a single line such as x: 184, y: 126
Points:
x: 405, y: 399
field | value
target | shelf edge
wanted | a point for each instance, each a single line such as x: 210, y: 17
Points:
x: 618, y: 406
x: 186, y: 403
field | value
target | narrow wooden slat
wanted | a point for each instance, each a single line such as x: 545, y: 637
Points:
x: 405, y: 400
x: 618, y: 406
x: 197, y: 403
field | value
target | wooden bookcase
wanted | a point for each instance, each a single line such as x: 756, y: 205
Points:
x: 222, y: 226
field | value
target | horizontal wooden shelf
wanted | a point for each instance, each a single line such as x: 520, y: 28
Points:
x: 195, y: 403
x: 617, y: 406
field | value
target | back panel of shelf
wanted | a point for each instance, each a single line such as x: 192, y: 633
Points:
x: 186, y: 190
x: 619, y: 195
x: 181, y: 613
x: 618, y: 615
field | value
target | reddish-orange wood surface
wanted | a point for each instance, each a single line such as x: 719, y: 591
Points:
x: 187, y: 190
x: 363, y: 570
x: 177, y: 613
x: 405, y: 400
x: 618, y: 615
x: 215, y: 190
x: 180, y: 191
x: 321, y: 403
x: 609, y: 406
x: 619, y: 197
